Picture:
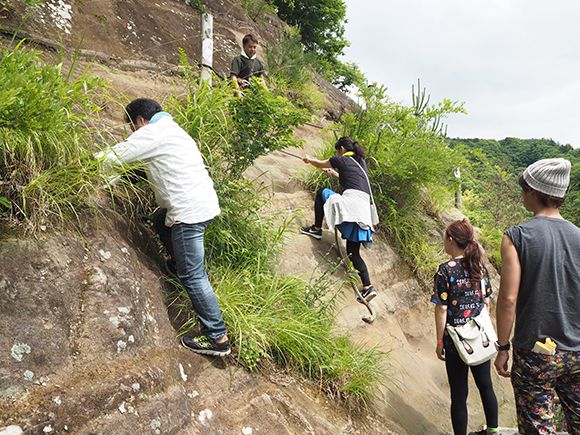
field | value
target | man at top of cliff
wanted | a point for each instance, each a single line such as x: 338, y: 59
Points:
x: 247, y: 65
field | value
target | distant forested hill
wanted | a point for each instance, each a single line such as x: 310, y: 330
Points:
x: 516, y: 153
x: 490, y: 191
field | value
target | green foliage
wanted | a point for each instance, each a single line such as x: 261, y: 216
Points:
x: 41, y: 131
x: 264, y: 122
x: 491, y: 194
x: 290, y: 71
x: 256, y: 9
x: 237, y: 131
x: 239, y: 235
x: 271, y: 317
x: 411, y: 169
x: 517, y: 154
x: 29, y: 3
x: 494, y: 204
x: 5, y: 205
x: 196, y: 4
x: 344, y: 75
x: 321, y: 26
x: 321, y: 23
x: 36, y: 97
x: 571, y: 208
x: 288, y: 60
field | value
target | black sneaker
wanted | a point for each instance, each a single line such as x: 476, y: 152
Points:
x: 368, y: 294
x: 311, y: 231
x: 483, y: 432
x: 205, y: 345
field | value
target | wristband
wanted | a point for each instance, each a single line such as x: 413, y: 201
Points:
x: 440, y: 342
x: 499, y: 348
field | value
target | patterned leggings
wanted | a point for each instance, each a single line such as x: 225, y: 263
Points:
x: 536, y: 379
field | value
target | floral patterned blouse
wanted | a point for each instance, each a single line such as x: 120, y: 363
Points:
x: 454, y: 289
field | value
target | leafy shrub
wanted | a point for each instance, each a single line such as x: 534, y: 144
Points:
x: 236, y: 131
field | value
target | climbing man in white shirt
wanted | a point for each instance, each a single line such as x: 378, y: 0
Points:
x: 188, y: 202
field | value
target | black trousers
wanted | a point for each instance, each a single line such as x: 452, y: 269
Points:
x: 457, y: 372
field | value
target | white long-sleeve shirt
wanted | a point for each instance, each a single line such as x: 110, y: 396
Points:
x: 174, y: 167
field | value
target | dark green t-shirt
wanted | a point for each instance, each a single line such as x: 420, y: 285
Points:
x: 245, y: 68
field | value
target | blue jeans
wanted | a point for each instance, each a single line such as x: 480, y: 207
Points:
x: 187, y: 249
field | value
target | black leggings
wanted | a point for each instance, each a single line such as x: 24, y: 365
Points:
x: 318, y: 209
x: 353, y: 251
x: 352, y: 248
x: 457, y: 372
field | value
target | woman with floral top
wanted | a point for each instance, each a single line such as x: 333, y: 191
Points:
x: 459, y: 297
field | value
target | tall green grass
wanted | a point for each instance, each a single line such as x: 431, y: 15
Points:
x: 281, y: 319
x: 45, y: 167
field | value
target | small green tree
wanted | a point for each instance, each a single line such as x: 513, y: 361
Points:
x: 321, y: 26
x: 237, y: 131
x: 264, y: 123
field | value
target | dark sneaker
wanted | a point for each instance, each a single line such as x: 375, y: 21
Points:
x: 483, y: 432
x: 368, y: 294
x: 311, y: 231
x: 205, y: 345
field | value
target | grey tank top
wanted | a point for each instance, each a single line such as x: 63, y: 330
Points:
x: 548, y: 303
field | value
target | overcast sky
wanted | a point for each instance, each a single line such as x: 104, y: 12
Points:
x: 515, y: 63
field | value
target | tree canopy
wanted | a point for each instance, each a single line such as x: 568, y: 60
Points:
x: 321, y: 25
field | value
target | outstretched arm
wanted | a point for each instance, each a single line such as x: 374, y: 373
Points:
x: 317, y: 163
x: 509, y: 287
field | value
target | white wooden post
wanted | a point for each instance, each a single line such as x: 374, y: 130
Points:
x: 458, y: 202
x: 206, y: 46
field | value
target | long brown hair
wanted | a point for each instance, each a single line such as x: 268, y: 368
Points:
x: 463, y: 234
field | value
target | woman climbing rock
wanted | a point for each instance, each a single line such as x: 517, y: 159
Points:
x: 349, y: 212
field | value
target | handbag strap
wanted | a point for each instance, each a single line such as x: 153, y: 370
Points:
x: 366, y: 176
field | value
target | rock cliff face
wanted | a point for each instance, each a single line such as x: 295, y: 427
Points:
x: 87, y: 344
x: 141, y: 38
x: 87, y: 347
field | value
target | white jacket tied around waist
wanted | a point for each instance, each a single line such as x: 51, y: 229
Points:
x: 352, y: 206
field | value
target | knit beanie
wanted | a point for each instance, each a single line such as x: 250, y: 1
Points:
x: 549, y: 176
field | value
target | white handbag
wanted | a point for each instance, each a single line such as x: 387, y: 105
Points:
x: 475, y: 340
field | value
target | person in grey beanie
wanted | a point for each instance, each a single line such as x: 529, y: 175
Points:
x: 540, y: 289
